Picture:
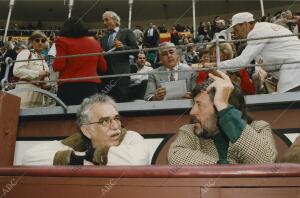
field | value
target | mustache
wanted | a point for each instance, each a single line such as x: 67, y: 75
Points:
x: 114, y: 133
x: 193, y: 120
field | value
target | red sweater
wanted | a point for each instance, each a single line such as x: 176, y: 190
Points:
x: 80, y: 66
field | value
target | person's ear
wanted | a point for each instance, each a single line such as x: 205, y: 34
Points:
x: 85, y: 129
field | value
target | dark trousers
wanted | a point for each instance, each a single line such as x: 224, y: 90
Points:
x: 117, y: 88
x: 137, y: 92
x: 74, y: 93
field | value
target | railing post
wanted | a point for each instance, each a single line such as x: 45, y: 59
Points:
x: 9, y: 116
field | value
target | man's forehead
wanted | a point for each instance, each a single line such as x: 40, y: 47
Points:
x: 200, y: 96
x: 141, y: 56
x: 168, y: 49
x: 103, y: 110
x: 106, y: 16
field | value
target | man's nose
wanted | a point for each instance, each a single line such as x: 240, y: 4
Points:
x: 114, y: 124
x: 193, y: 110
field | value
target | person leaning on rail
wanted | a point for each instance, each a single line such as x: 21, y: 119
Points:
x: 102, y: 140
x: 222, y: 132
x: 169, y: 58
x: 267, y: 51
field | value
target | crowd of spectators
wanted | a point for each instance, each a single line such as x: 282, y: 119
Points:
x: 252, y: 80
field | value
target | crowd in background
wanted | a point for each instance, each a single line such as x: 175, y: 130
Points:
x: 252, y: 80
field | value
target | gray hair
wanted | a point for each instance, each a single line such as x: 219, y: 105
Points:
x: 114, y: 16
x: 85, y: 107
x: 166, y: 45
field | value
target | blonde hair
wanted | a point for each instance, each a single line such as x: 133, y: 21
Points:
x: 225, y: 48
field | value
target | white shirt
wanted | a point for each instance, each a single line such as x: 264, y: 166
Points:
x: 284, y: 49
x: 150, y: 32
x: 116, y: 30
x: 137, y: 79
x: 52, y: 50
x: 133, y: 150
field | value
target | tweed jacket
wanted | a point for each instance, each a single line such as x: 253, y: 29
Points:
x: 255, y: 145
x: 155, y: 80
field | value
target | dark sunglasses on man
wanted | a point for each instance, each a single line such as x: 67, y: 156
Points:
x: 40, y: 40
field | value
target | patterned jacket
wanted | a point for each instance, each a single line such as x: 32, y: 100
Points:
x: 254, y: 145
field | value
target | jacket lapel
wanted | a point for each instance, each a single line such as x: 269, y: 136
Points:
x: 181, y: 75
x: 165, y: 76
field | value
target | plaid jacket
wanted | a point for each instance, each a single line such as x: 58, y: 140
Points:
x: 255, y: 145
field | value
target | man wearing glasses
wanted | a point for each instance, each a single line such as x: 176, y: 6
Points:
x: 169, y: 58
x: 102, y: 140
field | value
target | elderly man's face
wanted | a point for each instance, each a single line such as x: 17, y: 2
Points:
x: 205, y: 116
x: 104, y: 126
x: 169, y: 58
x: 108, y: 22
x: 240, y: 31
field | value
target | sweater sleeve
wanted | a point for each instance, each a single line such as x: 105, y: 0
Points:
x: 252, y: 49
x: 254, y: 143
x: 231, y: 123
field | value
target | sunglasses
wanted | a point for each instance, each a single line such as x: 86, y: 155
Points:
x: 40, y: 40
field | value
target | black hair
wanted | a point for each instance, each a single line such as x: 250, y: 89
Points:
x: 73, y: 27
x: 236, y: 98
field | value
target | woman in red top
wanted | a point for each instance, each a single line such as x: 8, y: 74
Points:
x: 74, y: 40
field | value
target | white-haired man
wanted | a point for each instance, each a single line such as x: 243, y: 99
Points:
x: 102, y: 140
x: 117, y: 39
x: 267, y: 51
x: 169, y: 58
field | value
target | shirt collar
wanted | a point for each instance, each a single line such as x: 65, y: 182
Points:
x: 117, y: 29
x: 174, y: 68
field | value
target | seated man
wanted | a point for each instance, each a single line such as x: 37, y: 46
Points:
x: 139, y: 82
x: 169, y: 58
x: 102, y: 140
x: 223, y: 133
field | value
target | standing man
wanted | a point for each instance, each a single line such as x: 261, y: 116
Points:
x: 272, y: 50
x: 151, y: 37
x: 117, y: 39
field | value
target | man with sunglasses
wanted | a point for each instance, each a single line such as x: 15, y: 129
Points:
x: 169, y: 58
x: 102, y: 140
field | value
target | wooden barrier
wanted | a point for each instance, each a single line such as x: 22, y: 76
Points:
x: 234, y: 181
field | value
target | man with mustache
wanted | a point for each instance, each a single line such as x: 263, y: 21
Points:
x: 102, y: 140
x: 222, y: 132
